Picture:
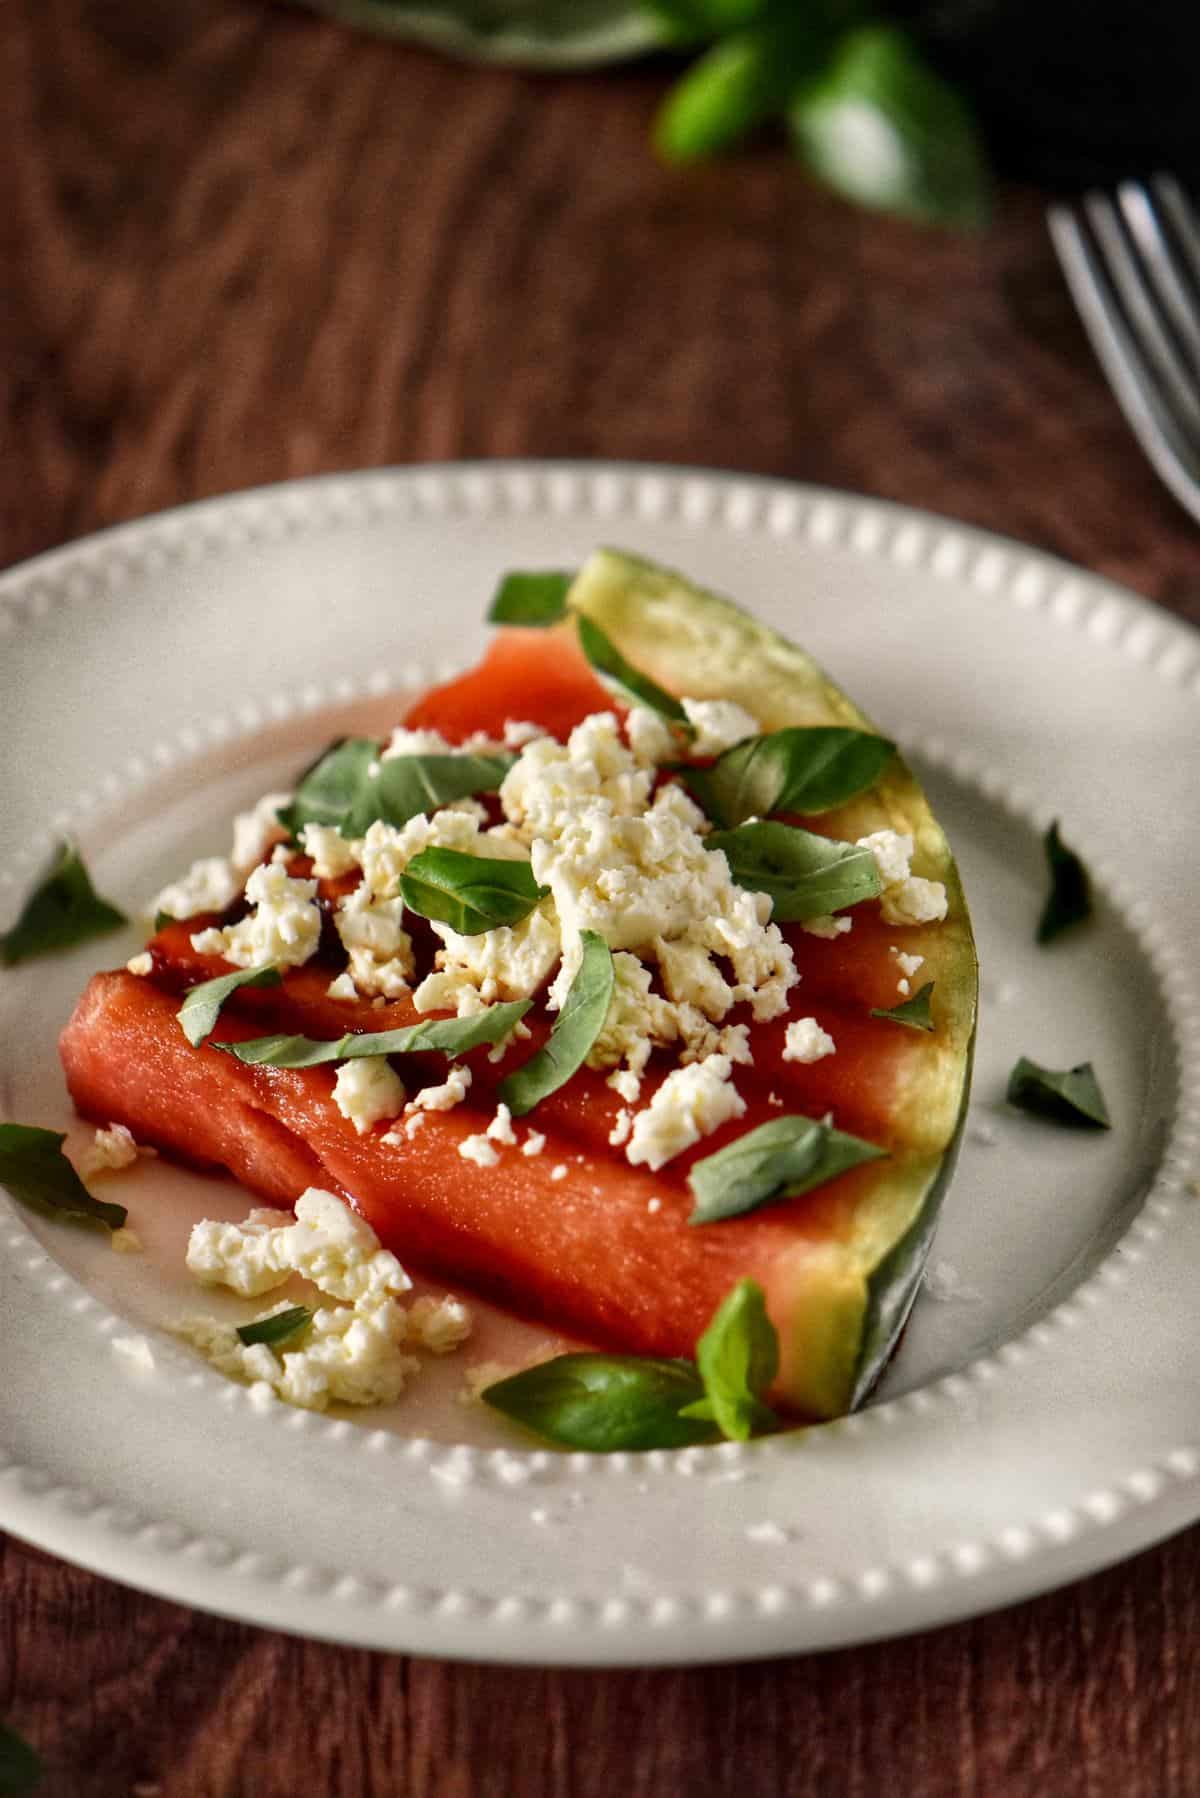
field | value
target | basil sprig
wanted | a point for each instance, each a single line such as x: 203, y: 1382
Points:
x: 576, y: 1028
x: 737, y: 1358
x: 444, y: 1036
x: 202, y: 1007
x: 622, y: 678
x: 806, y: 875
x: 352, y: 786
x: 278, y: 1328
x: 63, y: 909
x: 35, y: 1171
x: 532, y: 599
x: 1071, y: 1096
x: 471, y: 893
x: 20, y: 1768
x: 914, y: 1012
x: 779, y: 1160
x: 607, y: 1402
x: 1069, y: 900
x: 806, y: 769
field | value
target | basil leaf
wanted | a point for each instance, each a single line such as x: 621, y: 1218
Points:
x: 880, y: 127
x: 63, y: 909
x: 1069, y: 900
x: 739, y: 83
x: 1070, y: 1097
x: 576, y: 1028
x: 737, y: 1358
x: 807, y: 876
x: 326, y: 792
x: 405, y: 785
x: 778, y: 1160
x: 806, y: 769
x: 352, y: 786
x: 623, y: 678
x: 20, y: 1768
x: 35, y: 1171
x: 536, y: 599
x: 605, y: 1402
x: 444, y: 1036
x: 276, y: 1329
x: 471, y: 893
x: 914, y: 1012
x: 201, y: 1008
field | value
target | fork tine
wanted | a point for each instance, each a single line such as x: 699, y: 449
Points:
x: 1177, y: 296
x: 1137, y: 297
x: 1175, y: 459
x: 1181, y: 214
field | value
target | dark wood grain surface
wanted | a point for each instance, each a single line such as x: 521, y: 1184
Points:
x: 237, y: 244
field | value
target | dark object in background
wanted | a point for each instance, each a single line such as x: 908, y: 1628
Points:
x: 1073, y: 92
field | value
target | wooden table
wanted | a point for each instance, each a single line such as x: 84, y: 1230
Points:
x: 240, y: 244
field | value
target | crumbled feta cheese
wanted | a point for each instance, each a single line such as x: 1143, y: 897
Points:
x: 125, y: 1241
x: 350, y: 1355
x: 500, y: 1129
x: 140, y: 964
x: 626, y: 1084
x: 210, y: 884
x: 692, y: 1102
x: 510, y: 962
x: 380, y: 950
x: 914, y: 901
x: 445, y: 1097
x: 718, y: 724
x: 518, y: 732
x: 417, y: 742
x: 111, y: 1150
x: 284, y: 926
x: 828, y: 927
x: 342, y: 988
x: 332, y: 854
x: 326, y: 1242
x: 653, y: 1205
x: 256, y: 832
x: 479, y: 1150
x: 559, y: 1171
x: 534, y: 1143
x: 620, y: 1131
x: 908, y: 964
x: 892, y: 853
x: 438, y: 1325
x: 549, y: 782
x: 806, y: 1041
x: 367, y: 1090
x: 651, y: 739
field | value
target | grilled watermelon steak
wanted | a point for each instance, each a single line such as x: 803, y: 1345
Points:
x: 647, y: 1058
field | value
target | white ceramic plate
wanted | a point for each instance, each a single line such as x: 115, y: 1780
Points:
x: 1040, y: 1417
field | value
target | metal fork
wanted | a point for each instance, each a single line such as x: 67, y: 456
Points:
x: 1133, y: 266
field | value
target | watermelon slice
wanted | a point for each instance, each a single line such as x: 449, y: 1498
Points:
x: 575, y: 1236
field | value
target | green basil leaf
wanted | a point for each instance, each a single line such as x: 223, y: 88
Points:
x: 405, y: 785
x: 778, y: 1160
x: 327, y: 791
x: 537, y: 599
x: 914, y: 1012
x: 35, y: 1171
x: 277, y: 1329
x: 881, y: 128
x: 20, y: 1768
x: 605, y: 1402
x: 443, y: 1036
x: 471, y: 893
x: 63, y: 909
x: 737, y: 1358
x: 807, y: 769
x: 576, y: 1028
x: 1069, y: 900
x: 1070, y: 1097
x: 622, y: 678
x: 807, y: 876
x: 202, y: 1007
x: 740, y: 82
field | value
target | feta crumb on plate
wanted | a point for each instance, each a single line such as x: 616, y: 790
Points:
x: 806, y: 1041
